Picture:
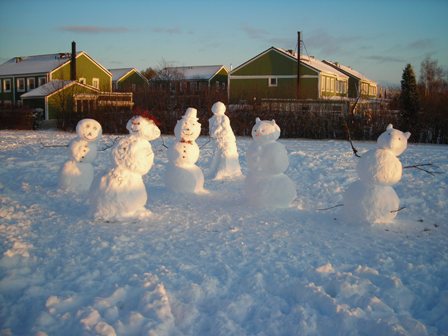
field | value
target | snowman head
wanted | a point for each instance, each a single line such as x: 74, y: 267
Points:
x: 143, y: 127
x: 134, y: 154
x: 89, y: 129
x: 218, y: 108
x: 265, y: 131
x: 82, y: 152
x: 188, y: 128
x: 394, y: 140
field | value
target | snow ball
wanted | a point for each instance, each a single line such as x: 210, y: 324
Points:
x: 265, y: 131
x: 188, y: 128
x: 218, y: 108
x: 379, y: 166
x: 394, y: 140
x: 89, y: 129
x: 327, y: 268
x: 80, y: 151
x: 134, y: 154
x: 143, y: 127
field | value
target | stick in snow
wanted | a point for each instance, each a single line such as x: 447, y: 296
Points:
x: 419, y: 167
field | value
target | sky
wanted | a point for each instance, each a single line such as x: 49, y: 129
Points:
x: 377, y: 38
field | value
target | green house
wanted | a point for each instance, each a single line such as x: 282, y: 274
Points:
x: 26, y: 79
x: 272, y: 74
x: 358, y: 84
x: 128, y: 79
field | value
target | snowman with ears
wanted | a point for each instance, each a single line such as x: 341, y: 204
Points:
x: 76, y: 174
x: 372, y: 198
x: 225, y: 163
x: 266, y: 184
x: 182, y: 174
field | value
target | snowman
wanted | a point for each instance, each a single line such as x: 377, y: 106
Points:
x: 121, y: 193
x: 76, y: 174
x: 266, y: 184
x: 225, y: 163
x: 182, y: 174
x: 372, y: 197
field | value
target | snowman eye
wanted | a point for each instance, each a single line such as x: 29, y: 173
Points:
x: 87, y: 126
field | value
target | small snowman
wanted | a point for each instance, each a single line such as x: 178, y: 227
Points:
x: 372, y: 198
x: 121, y: 193
x: 182, y: 174
x: 225, y: 163
x: 266, y: 184
x: 76, y: 174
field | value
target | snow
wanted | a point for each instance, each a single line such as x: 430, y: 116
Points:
x: 210, y: 264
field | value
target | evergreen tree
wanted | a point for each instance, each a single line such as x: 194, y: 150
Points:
x: 409, y: 100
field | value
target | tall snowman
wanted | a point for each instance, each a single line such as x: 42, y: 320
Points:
x: 76, y: 175
x: 266, y: 184
x: 121, y: 193
x: 225, y: 163
x: 372, y: 198
x: 182, y: 174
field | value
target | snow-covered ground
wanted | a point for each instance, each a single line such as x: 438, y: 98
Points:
x: 210, y: 264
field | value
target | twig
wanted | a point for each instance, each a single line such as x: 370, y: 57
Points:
x: 203, y: 145
x: 355, y: 151
x: 53, y: 145
x: 335, y: 206
x: 419, y: 167
x: 109, y: 146
x: 163, y: 141
x: 399, y: 209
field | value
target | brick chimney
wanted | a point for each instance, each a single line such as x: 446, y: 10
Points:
x: 73, y: 62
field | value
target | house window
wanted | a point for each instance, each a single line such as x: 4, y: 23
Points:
x: 272, y: 81
x: 332, y: 85
x: 96, y: 83
x: 327, y: 84
x: 7, y: 85
x: 41, y: 81
x: 82, y: 80
x: 30, y: 83
x: 1, y: 86
x: 20, y: 84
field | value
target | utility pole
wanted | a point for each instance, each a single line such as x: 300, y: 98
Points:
x: 298, y: 66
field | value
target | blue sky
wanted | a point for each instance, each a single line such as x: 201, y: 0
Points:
x: 377, y: 38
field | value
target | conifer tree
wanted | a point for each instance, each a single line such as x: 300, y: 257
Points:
x: 409, y: 100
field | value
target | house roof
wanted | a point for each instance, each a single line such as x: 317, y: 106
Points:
x: 204, y: 72
x: 34, y: 64
x: 52, y: 87
x: 118, y: 74
x: 309, y: 61
x: 349, y: 71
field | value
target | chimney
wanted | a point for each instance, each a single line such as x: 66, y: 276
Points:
x: 298, y: 65
x: 73, y: 62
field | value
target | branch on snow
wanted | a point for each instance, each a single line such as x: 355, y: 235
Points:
x: 419, y: 167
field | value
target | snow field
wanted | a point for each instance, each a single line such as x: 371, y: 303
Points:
x: 212, y: 265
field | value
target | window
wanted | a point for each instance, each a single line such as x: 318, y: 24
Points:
x: 7, y: 85
x: 96, y: 83
x: 327, y: 84
x: 1, y: 86
x: 82, y: 80
x: 30, y: 83
x: 42, y: 80
x: 332, y: 85
x: 272, y: 81
x: 20, y: 84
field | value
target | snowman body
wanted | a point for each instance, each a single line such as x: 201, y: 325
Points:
x: 182, y: 174
x: 76, y: 175
x: 121, y: 193
x: 266, y: 185
x: 372, y: 198
x: 225, y: 161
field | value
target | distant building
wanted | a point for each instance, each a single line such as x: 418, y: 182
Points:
x: 128, y: 79
x: 56, y: 81
x: 193, y: 78
x: 357, y: 83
